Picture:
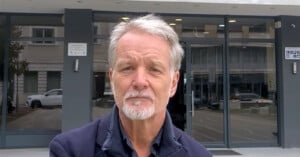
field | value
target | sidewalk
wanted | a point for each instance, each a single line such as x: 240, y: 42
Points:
x: 261, y: 152
x: 240, y: 152
x: 29, y: 152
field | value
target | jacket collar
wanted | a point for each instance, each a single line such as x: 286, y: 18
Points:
x: 109, y: 136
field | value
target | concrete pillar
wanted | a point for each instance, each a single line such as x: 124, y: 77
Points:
x: 77, y: 85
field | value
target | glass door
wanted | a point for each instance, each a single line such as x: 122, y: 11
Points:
x: 252, y: 77
x: 204, y: 92
x: 230, y: 92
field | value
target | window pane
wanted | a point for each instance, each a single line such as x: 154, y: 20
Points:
x: 48, y: 33
x: 43, y: 35
x: 30, y: 82
x: 252, y: 103
x: 251, y: 28
x: 40, y: 69
x: 53, y: 80
x: 37, y: 32
x: 102, y: 98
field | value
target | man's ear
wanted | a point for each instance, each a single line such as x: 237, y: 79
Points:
x: 110, y: 73
x: 174, y: 83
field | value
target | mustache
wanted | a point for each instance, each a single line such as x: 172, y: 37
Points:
x: 135, y: 93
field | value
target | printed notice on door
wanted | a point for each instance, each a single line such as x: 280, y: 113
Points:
x: 77, y: 49
x: 292, y: 53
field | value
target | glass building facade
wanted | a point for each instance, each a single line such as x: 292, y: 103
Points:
x: 227, y: 94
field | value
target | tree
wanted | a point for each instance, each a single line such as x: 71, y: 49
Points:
x: 16, y: 67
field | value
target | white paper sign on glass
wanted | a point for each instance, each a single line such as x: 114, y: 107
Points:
x: 292, y: 53
x: 77, y: 49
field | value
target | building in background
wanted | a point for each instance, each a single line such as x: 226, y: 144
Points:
x: 239, y: 78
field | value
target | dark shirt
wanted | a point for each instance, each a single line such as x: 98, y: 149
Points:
x: 117, y: 133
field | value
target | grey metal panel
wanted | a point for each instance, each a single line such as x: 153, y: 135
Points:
x: 290, y: 87
x: 77, y: 85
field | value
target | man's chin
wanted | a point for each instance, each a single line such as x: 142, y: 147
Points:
x: 137, y: 112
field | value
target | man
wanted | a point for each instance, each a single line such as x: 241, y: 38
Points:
x: 144, y: 60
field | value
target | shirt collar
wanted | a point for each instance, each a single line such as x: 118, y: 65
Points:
x: 155, y: 143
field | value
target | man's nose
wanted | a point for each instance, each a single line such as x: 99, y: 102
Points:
x: 140, y: 81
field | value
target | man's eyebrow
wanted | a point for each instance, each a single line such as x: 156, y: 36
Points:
x: 154, y: 60
x: 122, y: 62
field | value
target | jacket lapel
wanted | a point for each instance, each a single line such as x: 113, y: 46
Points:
x: 102, y: 133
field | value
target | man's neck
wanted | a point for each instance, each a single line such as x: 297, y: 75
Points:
x: 141, y: 133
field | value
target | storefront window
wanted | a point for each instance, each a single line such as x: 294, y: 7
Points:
x: 252, y: 103
x: 35, y: 64
x: 204, y: 36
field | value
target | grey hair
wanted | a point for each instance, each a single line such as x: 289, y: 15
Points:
x: 153, y: 25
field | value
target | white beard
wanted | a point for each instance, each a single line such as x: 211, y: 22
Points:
x: 134, y: 110
x: 138, y: 114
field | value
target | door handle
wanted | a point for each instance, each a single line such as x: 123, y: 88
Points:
x: 193, y: 104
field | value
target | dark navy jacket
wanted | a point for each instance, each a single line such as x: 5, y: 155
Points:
x: 101, y: 139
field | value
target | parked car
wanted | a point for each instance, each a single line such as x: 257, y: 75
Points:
x: 241, y: 100
x: 50, y: 98
x: 252, y: 98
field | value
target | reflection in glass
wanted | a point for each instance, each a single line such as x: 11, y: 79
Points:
x: 207, y: 74
x: 197, y: 27
x: 41, y: 34
x: 36, y: 65
x: 53, y: 80
x: 103, y: 99
x: 252, y: 96
x: 207, y: 92
x: 252, y: 74
x: 251, y: 28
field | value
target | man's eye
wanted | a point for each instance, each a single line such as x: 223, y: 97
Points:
x: 156, y: 70
x: 129, y: 68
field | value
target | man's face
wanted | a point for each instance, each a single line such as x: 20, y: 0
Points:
x: 141, y: 78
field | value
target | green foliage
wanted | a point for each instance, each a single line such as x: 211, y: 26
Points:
x: 16, y: 66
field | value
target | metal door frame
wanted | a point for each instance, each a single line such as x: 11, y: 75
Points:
x: 188, y: 86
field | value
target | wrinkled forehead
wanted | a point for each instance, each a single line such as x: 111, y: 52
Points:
x: 137, y: 42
